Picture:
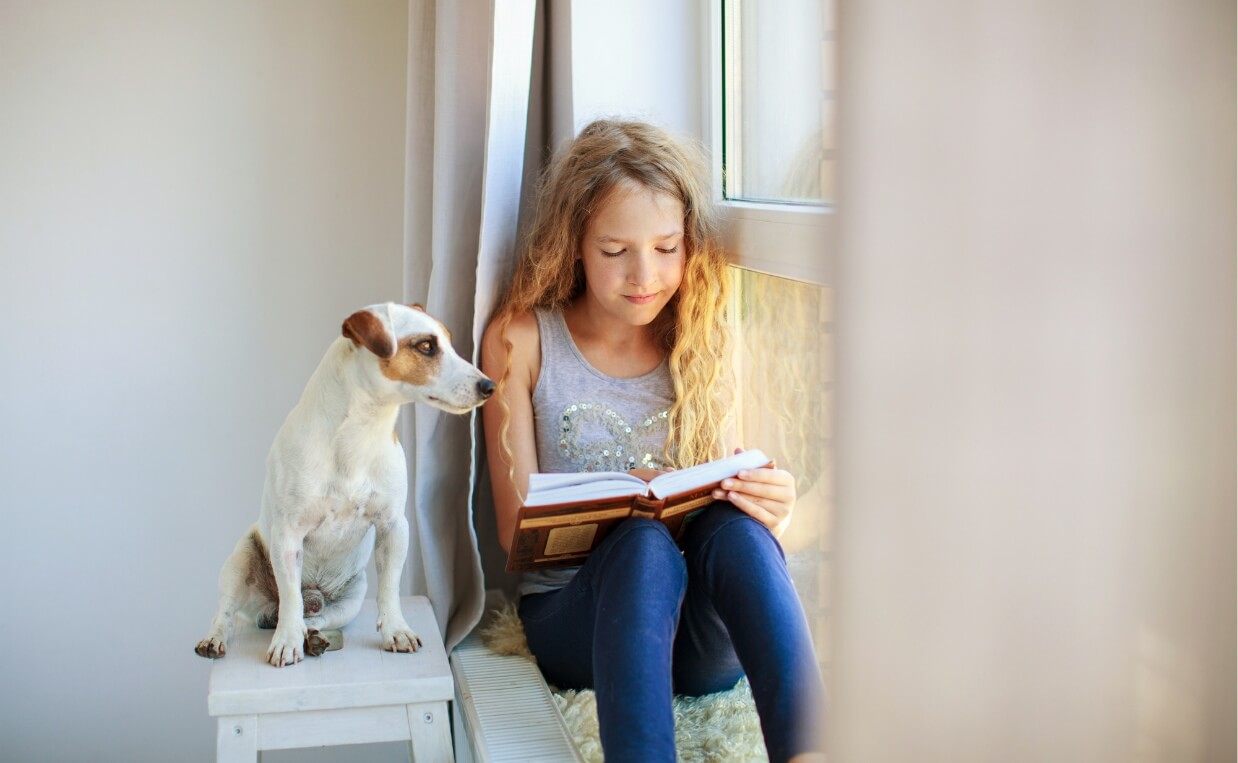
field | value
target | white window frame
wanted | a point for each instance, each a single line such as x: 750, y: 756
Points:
x: 788, y: 240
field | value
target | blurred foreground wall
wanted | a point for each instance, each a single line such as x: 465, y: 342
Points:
x: 1035, y: 382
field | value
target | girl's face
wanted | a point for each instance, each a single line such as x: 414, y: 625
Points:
x: 633, y: 254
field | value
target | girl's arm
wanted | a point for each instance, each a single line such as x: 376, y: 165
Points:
x: 510, y: 484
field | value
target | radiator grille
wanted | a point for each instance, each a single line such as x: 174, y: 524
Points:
x: 508, y: 712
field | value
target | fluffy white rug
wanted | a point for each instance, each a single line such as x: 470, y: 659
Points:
x: 716, y: 727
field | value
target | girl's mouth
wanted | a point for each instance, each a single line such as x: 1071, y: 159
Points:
x: 639, y: 299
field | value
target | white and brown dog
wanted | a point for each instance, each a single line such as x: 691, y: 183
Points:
x: 336, y: 482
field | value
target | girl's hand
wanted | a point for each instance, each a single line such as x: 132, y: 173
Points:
x: 766, y: 495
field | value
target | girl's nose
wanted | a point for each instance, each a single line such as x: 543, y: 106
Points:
x: 643, y: 270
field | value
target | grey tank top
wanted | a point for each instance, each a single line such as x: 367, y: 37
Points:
x: 586, y: 421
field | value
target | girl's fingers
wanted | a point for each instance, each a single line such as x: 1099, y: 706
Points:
x: 772, y: 476
x: 754, y: 510
x: 771, y: 514
x: 772, y: 491
x: 774, y: 505
x: 754, y: 489
x: 775, y: 477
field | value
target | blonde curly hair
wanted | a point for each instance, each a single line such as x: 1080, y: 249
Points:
x: 692, y: 328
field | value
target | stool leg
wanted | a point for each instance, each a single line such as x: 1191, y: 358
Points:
x: 429, y: 732
x: 236, y: 739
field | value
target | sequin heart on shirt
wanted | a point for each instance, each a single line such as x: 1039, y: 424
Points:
x: 609, y: 442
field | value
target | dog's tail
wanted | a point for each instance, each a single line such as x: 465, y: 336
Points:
x: 314, y: 600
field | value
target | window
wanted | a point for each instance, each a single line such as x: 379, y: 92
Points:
x: 778, y: 99
x: 771, y: 117
x: 771, y: 130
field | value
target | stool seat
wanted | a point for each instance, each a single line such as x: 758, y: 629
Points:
x: 360, y: 694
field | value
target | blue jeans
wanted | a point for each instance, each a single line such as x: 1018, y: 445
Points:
x: 641, y: 620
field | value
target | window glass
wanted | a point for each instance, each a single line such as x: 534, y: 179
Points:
x: 778, y: 91
x: 783, y: 363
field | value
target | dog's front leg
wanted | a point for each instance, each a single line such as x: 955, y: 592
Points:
x: 288, y: 642
x: 390, y: 549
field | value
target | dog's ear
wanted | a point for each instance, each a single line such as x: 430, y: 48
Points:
x: 415, y: 306
x: 366, y: 329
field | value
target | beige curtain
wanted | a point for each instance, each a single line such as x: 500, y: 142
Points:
x: 468, y: 96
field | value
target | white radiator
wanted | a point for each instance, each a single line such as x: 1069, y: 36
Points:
x: 504, y: 710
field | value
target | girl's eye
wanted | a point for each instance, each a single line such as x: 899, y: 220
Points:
x: 613, y: 254
x: 671, y: 250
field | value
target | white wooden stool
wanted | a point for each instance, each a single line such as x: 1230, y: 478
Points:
x: 357, y: 695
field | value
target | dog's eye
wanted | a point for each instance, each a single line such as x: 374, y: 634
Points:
x: 426, y: 347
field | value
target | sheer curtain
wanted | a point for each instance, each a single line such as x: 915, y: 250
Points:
x: 468, y: 93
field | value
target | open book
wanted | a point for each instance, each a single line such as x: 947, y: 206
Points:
x: 566, y: 516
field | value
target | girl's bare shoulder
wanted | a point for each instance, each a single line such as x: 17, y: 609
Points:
x: 521, y: 336
x: 523, y: 327
x: 520, y: 331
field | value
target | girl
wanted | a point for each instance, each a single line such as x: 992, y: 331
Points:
x: 610, y: 350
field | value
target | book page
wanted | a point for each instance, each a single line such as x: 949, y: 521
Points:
x: 679, y: 481
x: 589, y: 491
x: 547, y: 480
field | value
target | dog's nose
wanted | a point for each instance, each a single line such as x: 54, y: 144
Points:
x: 485, y: 387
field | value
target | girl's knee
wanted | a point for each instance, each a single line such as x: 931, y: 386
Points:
x: 643, y: 536
x: 723, y: 524
x: 642, y: 546
x: 713, y: 516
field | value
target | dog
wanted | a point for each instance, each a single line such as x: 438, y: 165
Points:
x: 336, y: 483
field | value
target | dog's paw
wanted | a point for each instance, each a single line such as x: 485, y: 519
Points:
x: 399, y: 638
x: 315, y: 643
x: 212, y: 647
x: 287, y: 647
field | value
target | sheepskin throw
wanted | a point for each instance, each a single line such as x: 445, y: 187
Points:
x: 715, y: 728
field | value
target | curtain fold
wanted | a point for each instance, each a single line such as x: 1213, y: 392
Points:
x: 468, y: 95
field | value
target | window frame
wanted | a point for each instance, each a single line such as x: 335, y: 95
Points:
x: 788, y: 240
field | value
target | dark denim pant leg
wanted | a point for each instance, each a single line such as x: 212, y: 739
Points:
x: 612, y: 628
x: 738, y: 584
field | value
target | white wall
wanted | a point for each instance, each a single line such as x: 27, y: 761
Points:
x: 1036, y: 382
x: 193, y: 196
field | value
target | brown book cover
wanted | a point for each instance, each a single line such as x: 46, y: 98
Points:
x: 566, y: 516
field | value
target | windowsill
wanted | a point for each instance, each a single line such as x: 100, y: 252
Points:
x: 791, y: 241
